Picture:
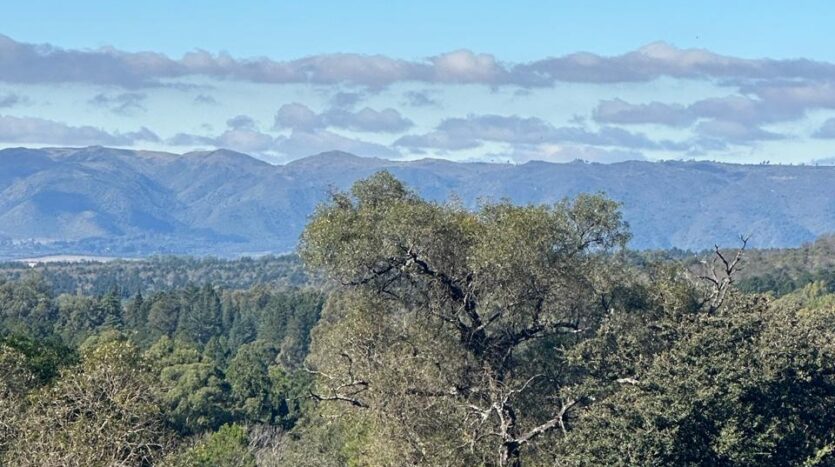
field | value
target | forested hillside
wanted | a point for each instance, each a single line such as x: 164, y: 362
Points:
x: 437, y: 335
x: 116, y: 202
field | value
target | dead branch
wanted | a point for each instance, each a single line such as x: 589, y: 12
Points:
x: 719, y: 274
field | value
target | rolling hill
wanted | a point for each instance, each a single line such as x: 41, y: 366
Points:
x: 117, y: 202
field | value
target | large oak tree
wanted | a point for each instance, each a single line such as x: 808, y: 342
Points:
x: 448, y: 332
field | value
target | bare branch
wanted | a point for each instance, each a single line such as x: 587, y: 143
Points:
x: 557, y: 421
x: 631, y: 381
x: 721, y: 281
x: 339, y: 397
x: 345, y: 391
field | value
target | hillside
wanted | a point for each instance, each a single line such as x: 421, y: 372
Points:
x: 98, y: 200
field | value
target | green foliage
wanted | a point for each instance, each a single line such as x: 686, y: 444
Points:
x: 42, y: 357
x: 200, y: 316
x: 101, y: 412
x: 181, y: 386
x: 227, y: 447
x: 26, y: 365
x: 751, y: 385
x: 27, y: 307
x: 192, y: 388
x: 781, y: 271
x: 452, y: 316
x: 163, y: 316
x: 257, y: 383
x: 17, y: 381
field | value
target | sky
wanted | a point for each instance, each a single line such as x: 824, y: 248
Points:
x: 741, y: 81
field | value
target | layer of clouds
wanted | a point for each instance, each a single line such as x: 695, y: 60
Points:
x: 299, y: 143
x: 437, y: 140
x: 241, y: 122
x: 302, y: 143
x: 758, y: 104
x: 126, y: 103
x: 661, y: 59
x: 622, y: 112
x: 756, y: 96
x: 297, y: 116
x: 731, y: 119
x: 827, y: 130
x: 346, y: 100
x: 29, y: 130
x: 421, y: 99
x: 243, y: 134
x: 30, y: 63
x: 469, y: 132
x: 205, y: 99
x: 734, y: 132
x: 367, y: 119
x: 11, y: 99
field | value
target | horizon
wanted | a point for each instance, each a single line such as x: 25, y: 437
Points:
x: 822, y: 163
x: 489, y: 83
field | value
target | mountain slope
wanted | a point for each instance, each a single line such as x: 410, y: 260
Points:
x: 121, y: 202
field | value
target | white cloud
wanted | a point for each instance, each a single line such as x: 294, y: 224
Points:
x: 241, y: 122
x: 827, y: 130
x: 734, y: 132
x: 622, y: 112
x: 29, y: 63
x: 298, y: 116
x: 42, y: 131
x: 462, y: 133
x: 11, y: 99
x: 304, y: 143
x: 125, y: 103
x: 421, y: 99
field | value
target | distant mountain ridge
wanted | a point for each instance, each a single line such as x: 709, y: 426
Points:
x: 120, y: 202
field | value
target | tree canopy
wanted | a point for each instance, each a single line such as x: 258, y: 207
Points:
x: 518, y: 334
x: 499, y: 335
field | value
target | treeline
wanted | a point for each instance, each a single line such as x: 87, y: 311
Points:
x: 777, y: 271
x: 162, y: 273
x: 781, y: 271
x: 783, y: 281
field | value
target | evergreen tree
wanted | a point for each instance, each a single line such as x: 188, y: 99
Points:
x: 163, y: 315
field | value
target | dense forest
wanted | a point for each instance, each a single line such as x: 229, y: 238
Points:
x: 425, y: 333
x: 161, y: 273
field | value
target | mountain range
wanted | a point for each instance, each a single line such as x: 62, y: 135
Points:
x: 119, y: 202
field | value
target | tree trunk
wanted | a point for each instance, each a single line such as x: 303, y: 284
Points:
x: 509, y: 455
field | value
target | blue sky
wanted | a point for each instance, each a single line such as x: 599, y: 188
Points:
x: 519, y: 30
x: 458, y: 80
